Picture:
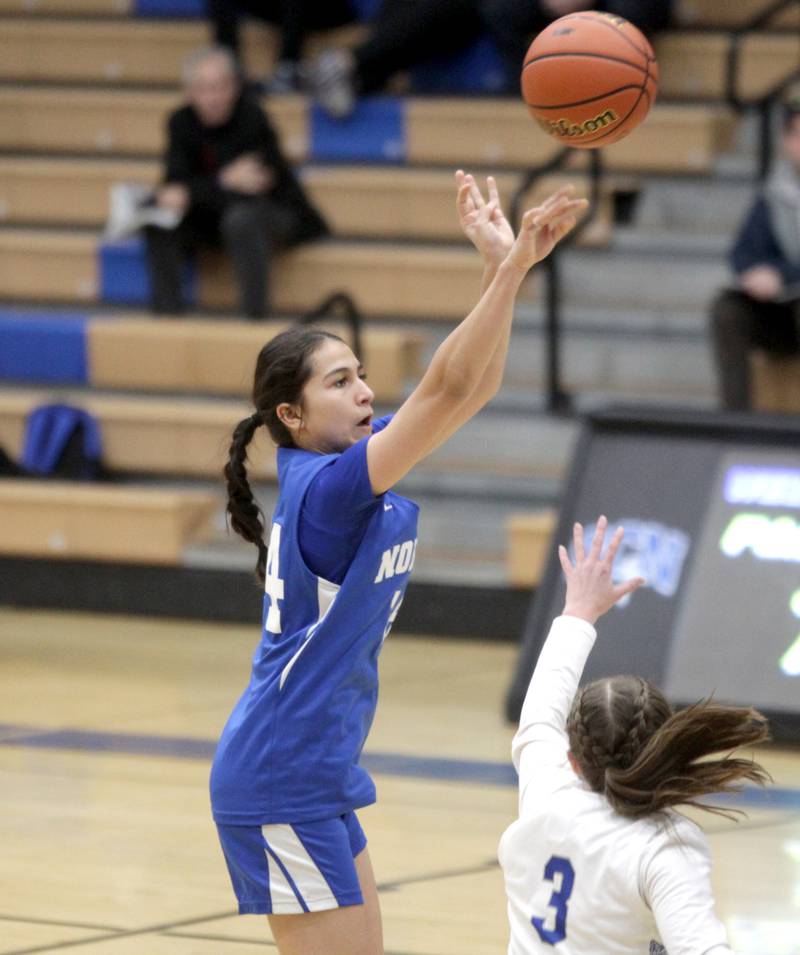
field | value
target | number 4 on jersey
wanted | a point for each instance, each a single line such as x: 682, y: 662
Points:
x: 556, y: 866
x: 273, y: 585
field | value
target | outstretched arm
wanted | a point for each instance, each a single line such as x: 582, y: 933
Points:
x: 447, y: 391
x: 541, y: 741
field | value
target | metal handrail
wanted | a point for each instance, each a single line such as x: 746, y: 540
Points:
x: 339, y: 305
x: 557, y: 399
x: 764, y: 103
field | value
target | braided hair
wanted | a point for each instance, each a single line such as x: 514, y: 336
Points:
x: 643, y: 757
x: 283, y: 367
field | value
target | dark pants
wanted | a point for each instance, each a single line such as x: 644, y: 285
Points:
x: 406, y: 33
x: 249, y: 230
x: 739, y: 324
x: 295, y: 18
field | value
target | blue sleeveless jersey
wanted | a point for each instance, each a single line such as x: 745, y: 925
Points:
x: 290, y: 749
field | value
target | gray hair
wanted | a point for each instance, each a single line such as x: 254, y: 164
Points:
x: 196, y: 57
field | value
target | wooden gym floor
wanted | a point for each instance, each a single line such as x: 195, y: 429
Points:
x: 107, y: 725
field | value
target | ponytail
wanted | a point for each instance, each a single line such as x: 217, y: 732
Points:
x: 246, y: 517
x: 644, y: 758
x: 672, y: 769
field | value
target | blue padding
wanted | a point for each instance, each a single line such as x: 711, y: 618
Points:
x: 124, y: 276
x: 42, y: 347
x: 375, y: 132
x: 365, y: 9
x: 478, y: 69
x: 169, y: 8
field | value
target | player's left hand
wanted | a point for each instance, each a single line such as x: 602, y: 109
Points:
x: 483, y: 221
x: 544, y: 226
x: 591, y: 590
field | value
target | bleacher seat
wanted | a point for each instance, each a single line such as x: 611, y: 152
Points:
x: 187, y: 437
x: 218, y: 358
x: 374, y: 202
x: 775, y: 383
x: 676, y: 138
x: 528, y: 539
x: 65, y: 521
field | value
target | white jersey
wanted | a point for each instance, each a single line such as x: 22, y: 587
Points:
x: 580, y: 878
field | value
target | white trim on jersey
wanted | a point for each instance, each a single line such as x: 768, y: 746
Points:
x: 311, y: 884
x: 326, y: 594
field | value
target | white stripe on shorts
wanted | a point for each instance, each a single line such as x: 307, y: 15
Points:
x: 310, y: 882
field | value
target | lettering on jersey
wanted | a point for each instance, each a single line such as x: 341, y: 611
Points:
x: 273, y: 585
x: 397, y: 560
x: 394, y: 609
x: 656, y: 948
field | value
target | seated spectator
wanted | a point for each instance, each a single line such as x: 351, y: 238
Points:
x: 226, y: 175
x: 294, y: 18
x: 763, y: 311
x: 406, y: 33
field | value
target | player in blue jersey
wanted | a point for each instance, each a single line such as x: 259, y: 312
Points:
x: 286, y: 777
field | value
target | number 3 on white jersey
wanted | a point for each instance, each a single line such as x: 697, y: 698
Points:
x: 556, y: 865
x: 273, y: 585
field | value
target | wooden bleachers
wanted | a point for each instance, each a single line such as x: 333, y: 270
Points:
x: 218, y: 358
x: 356, y: 201
x: 81, y: 522
x: 67, y: 8
x: 143, y: 435
x: 731, y: 13
x: 694, y: 64
x: 115, y: 122
x: 439, y: 130
x: 528, y: 537
x: 415, y: 282
x: 151, y: 52
x: 775, y: 383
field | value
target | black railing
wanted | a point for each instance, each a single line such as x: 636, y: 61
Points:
x: 340, y: 306
x: 557, y: 399
x: 764, y: 103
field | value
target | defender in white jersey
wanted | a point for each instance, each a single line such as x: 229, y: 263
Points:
x: 599, y: 862
x: 286, y: 778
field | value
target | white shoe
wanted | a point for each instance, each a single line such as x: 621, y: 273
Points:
x: 333, y: 84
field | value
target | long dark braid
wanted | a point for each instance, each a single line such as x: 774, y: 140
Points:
x: 283, y: 367
x: 246, y: 516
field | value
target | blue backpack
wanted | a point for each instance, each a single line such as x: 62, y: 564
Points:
x: 62, y: 441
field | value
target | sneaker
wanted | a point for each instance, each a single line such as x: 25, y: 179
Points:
x: 332, y: 83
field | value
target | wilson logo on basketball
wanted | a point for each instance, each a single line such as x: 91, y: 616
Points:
x: 563, y: 127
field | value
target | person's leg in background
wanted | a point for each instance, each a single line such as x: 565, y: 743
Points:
x: 166, y: 258
x: 740, y: 323
x: 404, y: 34
x: 512, y: 24
x: 253, y: 232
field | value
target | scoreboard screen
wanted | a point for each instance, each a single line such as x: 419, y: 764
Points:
x: 711, y: 510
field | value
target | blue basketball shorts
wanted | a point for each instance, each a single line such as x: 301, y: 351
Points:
x: 281, y: 869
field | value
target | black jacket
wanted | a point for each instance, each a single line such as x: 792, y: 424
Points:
x: 757, y: 244
x: 196, y: 154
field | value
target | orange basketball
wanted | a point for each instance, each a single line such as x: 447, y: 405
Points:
x: 589, y: 79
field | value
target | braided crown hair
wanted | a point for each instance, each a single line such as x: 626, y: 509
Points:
x: 643, y: 757
x: 283, y: 367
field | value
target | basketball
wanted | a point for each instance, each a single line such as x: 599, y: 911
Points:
x: 589, y: 79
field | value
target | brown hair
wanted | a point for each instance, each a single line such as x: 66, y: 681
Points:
x: 282, y: 369
x: 643, y: 757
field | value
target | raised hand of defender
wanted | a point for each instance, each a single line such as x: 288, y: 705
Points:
x: 482, y: 220
x: 544, y: 226
x: 591, y: 590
